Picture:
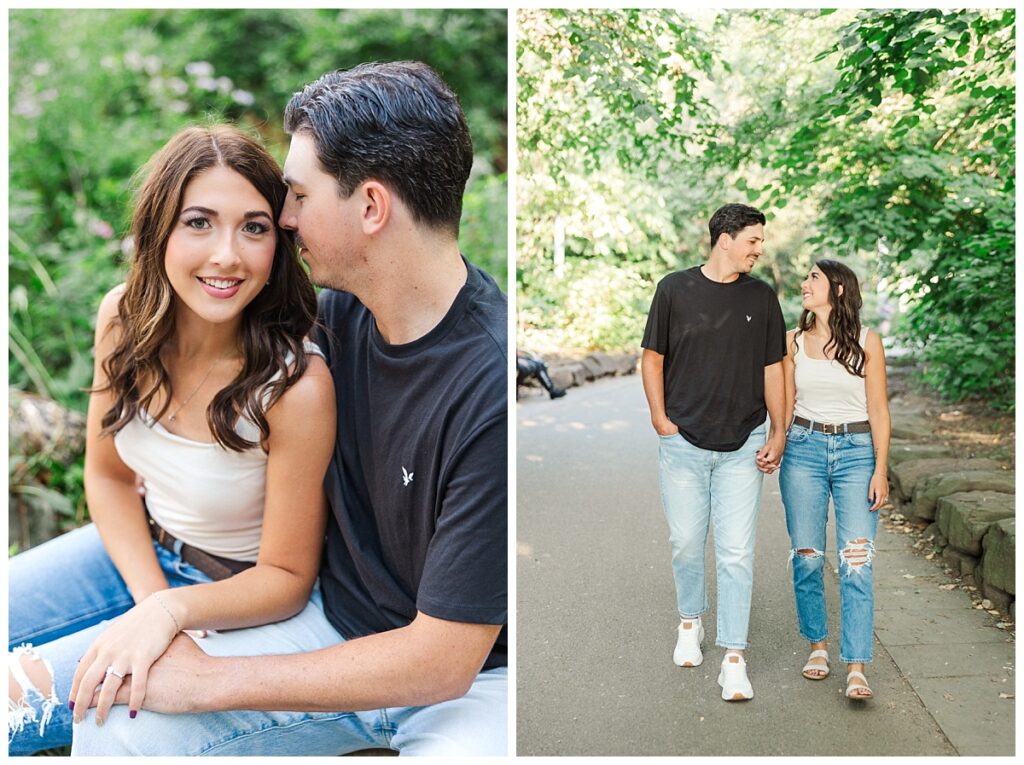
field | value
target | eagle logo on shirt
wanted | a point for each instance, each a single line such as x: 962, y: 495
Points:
x: 406, y: 476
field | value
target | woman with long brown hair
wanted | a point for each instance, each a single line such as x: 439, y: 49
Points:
x: 838, y: 446
x: 205, y: 389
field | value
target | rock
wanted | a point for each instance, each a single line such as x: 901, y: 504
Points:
x: 965, y: 517
x: 901, y: 451
x: 562, y: 376
x: 996, y: 598
x: 934, y: 534
x: 605, y: 363
x: 36, y: 425
x: 904, y: 476
x: 913, y: 427
x: 593, y: 368
x: 38, y: 428
x: 960, y: 562
x: 568, y: 373
x: 626, y: 363
x: 997, y: 561
x: 930, y: 487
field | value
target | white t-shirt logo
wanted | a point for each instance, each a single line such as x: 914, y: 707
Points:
x: 406, y: 476
x: 749, y: 318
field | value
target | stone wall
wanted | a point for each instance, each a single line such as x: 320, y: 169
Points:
x: 568, y: 372
x: 963, y: 503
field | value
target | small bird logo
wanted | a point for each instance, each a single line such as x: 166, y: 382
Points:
x: 749, y: 318
x: 406, y: 476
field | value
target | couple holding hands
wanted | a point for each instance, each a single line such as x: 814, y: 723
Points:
x: 717, y: 361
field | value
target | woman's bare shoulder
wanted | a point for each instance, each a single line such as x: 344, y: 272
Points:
x: 310, y: 393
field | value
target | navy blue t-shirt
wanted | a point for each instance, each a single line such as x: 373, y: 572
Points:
x: 418, y: 483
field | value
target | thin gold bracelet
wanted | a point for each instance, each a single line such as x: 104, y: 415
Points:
x: 163, y: 605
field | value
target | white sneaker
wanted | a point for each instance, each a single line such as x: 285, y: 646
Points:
x: 733, y: 679
x: 687, y: 653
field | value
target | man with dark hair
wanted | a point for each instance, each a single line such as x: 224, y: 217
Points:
x: 409, y: 649
x: 712, y: 371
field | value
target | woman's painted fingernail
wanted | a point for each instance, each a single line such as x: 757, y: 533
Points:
x: 133, y: 713
x: 71, y: 705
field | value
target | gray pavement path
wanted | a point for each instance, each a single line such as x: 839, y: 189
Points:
x: 596, y: 620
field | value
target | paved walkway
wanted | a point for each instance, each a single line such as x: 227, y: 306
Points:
x: 596, y: 620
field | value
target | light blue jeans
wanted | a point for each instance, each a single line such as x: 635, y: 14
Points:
x: 62, y: 621
x: 814, y: 467
x: 61, y: 596
x: 697, y: 486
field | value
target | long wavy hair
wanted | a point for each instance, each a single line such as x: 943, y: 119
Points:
x: 273, y: 324
x: 843, y: 319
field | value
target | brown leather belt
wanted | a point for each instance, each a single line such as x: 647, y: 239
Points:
x: 834, y: 430
x: 213, y: 566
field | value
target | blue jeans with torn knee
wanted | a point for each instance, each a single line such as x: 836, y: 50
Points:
x: 61, y: 597
x: 64, y: 593
x: 816, y: 466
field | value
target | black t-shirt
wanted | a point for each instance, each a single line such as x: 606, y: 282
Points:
x: 716, y: 339
x: 418, y: 482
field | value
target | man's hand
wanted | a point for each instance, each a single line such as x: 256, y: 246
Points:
x: 175, y: 684
x: 664, y: 426
x: 769, y: 456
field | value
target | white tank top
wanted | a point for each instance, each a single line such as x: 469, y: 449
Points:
x: 825, y: 391
x: 205, y: 495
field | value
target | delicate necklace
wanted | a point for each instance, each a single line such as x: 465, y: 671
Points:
x: 195, y: 390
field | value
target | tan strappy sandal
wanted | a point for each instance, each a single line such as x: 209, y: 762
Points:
x: 819, y: 653
x: 858, y: 692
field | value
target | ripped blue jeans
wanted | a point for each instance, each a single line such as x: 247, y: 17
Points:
x: 62, y: 595
x: 816, y: 466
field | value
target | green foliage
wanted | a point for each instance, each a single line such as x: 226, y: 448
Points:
x: 912, y: 155
x: 94, y: 93
x: 483, y: 234
x: 598, y: 305
x: 602, y: 84
x: 883, y: 138
x: 608, y: 111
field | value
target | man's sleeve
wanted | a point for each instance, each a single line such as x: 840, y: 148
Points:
x: 775, y: 337
x: 465, y: 576
x: 656, y: 332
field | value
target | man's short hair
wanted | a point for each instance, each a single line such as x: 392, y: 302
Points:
x: 397, y: 123
x: 731, y: 219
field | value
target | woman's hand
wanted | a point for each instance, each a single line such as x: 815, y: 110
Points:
x: 878, y: 491
x: 123, y: 654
